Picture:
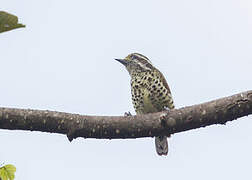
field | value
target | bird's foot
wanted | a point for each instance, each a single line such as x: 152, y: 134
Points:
x: 127, y: 114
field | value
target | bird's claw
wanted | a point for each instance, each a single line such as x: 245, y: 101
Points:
x: 127, y: 114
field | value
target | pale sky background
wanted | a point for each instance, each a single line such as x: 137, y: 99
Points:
x: 64, y: 61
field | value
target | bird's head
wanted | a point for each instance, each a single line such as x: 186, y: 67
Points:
x: 136, y: 63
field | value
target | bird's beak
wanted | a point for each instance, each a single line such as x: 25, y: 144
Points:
x: 123, y: 61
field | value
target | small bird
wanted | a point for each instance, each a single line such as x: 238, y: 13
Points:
x: 150, y: 91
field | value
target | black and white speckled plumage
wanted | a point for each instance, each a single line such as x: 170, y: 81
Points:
x: 150, y: 91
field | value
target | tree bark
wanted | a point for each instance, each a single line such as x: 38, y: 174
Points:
x: 113, y: 127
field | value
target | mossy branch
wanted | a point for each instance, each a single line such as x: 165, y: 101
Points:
x: 113, y: 127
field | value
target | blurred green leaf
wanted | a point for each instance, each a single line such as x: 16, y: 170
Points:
x: 8, y: 22
x: 7, y: 172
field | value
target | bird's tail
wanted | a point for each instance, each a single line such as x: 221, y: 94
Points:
x: 161, y: 145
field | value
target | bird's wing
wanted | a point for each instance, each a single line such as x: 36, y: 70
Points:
x: 160, y: 94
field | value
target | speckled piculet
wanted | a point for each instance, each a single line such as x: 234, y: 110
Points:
x: 150, y: 91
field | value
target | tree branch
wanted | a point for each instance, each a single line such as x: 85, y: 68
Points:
x: 111, y: 127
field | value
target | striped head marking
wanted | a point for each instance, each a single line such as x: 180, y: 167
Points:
x: 136, y: 63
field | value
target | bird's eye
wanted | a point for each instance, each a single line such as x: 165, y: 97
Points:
x: 133, y: 57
